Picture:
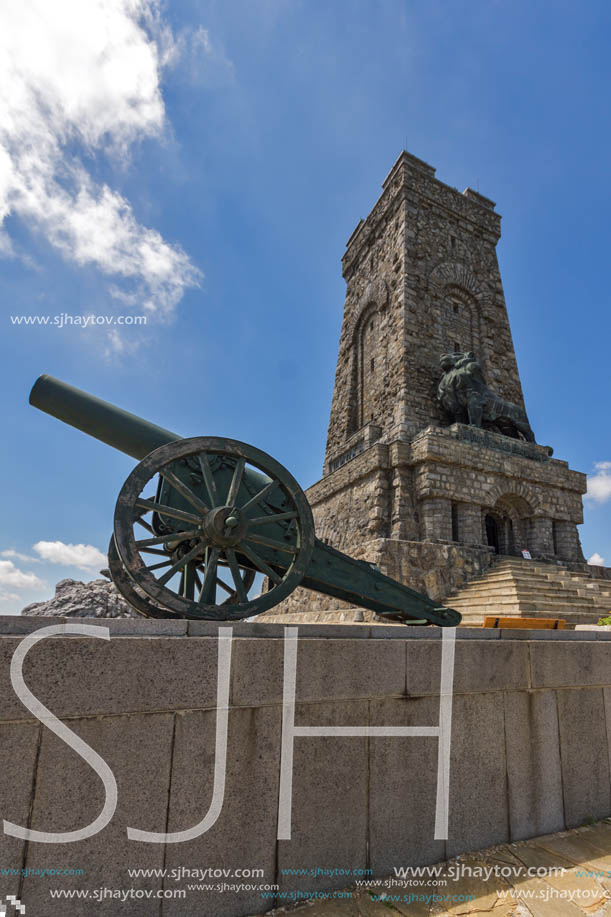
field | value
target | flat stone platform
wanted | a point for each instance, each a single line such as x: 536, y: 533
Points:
x: 530, y: 755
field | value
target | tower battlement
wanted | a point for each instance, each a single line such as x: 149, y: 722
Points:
x: 407, y: 175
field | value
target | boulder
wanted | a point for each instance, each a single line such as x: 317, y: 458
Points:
x: 73, y: 599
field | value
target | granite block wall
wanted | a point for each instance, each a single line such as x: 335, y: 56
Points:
x: 530, y: 754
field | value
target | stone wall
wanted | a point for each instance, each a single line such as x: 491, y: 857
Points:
x: 440, y: 486
x: 530, y: 753
x: 419, y: 509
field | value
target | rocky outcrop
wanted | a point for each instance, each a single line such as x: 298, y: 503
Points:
x: 73, y: 599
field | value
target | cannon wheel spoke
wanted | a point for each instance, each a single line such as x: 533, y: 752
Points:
x: 247, y: 581
x: 188, y: 581
x: 235, y: 482
x: 260, y: 564
x: 165, y: 563
x: 145, y: 525
x: 272, y: 543
x: 235, y: 573
x: 258, y: 497
x: 208, y: 477
x: 223, y: 585
x: 179, y: 564
x: 207, y: 593
x: 163, y: 510
x: 184, y: 491
x: 161, y: 539
x: 273, y: 517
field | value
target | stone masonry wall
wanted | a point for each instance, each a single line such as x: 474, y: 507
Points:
x: 530, y: 755
x: 405, y: 490
x: 418, y: 511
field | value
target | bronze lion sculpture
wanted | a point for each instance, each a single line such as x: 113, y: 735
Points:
x: 464, y: 395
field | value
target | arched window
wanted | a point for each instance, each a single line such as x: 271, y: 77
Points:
x: 367, y: 342
x: 457, y: 321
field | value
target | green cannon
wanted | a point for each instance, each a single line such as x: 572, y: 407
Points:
x: 198, y: 518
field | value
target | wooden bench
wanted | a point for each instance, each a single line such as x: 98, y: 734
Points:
x: 525, y: 623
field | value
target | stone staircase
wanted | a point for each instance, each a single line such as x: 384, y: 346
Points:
x: 533, y: 589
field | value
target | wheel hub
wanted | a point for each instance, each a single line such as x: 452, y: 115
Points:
x: 224, y: 527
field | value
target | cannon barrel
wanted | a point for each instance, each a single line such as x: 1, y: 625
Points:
x: 123, y: 431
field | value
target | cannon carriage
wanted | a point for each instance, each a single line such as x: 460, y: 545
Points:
x: 197, y: 519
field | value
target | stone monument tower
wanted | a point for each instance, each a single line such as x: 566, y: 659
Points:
x: 431, y: 467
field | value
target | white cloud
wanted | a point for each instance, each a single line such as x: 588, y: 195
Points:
x: 10, y: 552
x: 10, y: 575
x: 599, y: 484
x: 199, y: 61
x: 82, y: 556
x: 6, y: 245
x: 596, y: 560
x: 80, y: 77
x: 8, y: 596
x: 118, y: 344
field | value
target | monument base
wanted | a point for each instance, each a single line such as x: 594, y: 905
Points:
x: 433, y: 511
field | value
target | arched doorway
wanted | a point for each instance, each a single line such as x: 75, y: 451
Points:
x: 507, y: 525
x: 492, y: 532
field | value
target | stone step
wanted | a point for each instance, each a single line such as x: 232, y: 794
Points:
x: 545, y: 585
x: 548, y: 573
x: 520, y: 588
x: 575, y: 586
x: 550, y: 576
x: 516, y: 564
x: 560, y: 580
x: 544, y: 594
x: 521, y: 575
x: 523, y: 602
x: 570, y: 614
x: 523, y: 583
x: 511, y: 587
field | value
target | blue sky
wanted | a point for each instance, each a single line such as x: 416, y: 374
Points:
x: 204, y: 163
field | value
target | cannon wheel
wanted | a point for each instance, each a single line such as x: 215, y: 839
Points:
x: 137, y: 598
x: 197, y: 550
